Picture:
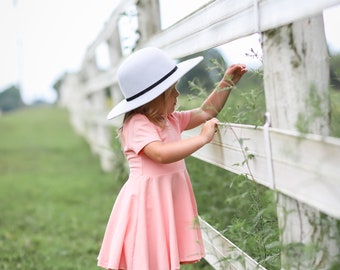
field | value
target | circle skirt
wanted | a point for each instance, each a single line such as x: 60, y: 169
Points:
x: 149, y: 232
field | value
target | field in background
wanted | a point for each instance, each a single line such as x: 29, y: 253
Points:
x: 54, y: 198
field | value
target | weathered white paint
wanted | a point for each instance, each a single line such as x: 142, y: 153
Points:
x: 223, y: 21
x: 296, y: 77
x: 222, y: 254
x: 306, y: 167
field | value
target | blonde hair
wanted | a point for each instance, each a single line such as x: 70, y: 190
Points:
x: 155, y: 110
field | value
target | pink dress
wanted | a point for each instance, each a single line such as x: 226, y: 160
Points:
x: 154, y: 221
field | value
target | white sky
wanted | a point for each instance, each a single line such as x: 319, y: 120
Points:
x: 40, y: 40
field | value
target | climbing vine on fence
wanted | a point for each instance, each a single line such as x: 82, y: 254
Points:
x: 242, y: 210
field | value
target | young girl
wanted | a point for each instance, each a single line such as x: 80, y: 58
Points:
x: 154, y: 222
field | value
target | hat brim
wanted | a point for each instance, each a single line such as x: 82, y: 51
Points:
x: 126, y: 106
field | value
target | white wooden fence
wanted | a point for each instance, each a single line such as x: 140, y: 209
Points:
x: 304, y: 168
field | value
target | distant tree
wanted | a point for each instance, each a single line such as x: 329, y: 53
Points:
x: 206, y: 73
x: 10, y: 99
x: 57, y: 84
x: 335, y: 71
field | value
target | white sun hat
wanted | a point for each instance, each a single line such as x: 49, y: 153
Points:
x: 146, y: 74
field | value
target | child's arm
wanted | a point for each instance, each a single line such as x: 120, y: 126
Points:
x: 216, y: 100
x: 173, y: 151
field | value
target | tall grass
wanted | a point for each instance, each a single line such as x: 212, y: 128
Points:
x: 242, y: 210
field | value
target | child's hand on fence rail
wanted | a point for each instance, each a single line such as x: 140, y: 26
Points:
x: 209, y: 129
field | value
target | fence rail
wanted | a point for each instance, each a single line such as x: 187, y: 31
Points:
x: 223, y: 21
x: 304, y: 167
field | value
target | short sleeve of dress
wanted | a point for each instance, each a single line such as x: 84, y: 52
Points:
x: 139, y: 132
x: 182, y: 118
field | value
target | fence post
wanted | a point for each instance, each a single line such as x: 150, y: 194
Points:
x: 296, y: 76
x: 149, y: 20
x: 115, y: 53
x: 70, y: 99
x: 114, y: 47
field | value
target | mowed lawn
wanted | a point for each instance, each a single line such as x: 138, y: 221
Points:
x: 54, y: 198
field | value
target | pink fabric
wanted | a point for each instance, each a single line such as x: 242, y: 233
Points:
x: 153, y: 224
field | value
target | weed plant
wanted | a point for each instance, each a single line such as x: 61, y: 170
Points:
x: 245, y: 212
x: 242, y: 210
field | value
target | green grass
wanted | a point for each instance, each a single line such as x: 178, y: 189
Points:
x: 242, y: 210
x: 54, y: 198
x: 335, y: 113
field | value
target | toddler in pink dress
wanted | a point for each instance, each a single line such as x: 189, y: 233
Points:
x: 154, y: 222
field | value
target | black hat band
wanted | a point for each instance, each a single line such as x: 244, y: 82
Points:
x: 152, y: 86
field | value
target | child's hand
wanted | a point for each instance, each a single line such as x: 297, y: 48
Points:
x: 235, y: 72
x: 209, y: 129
